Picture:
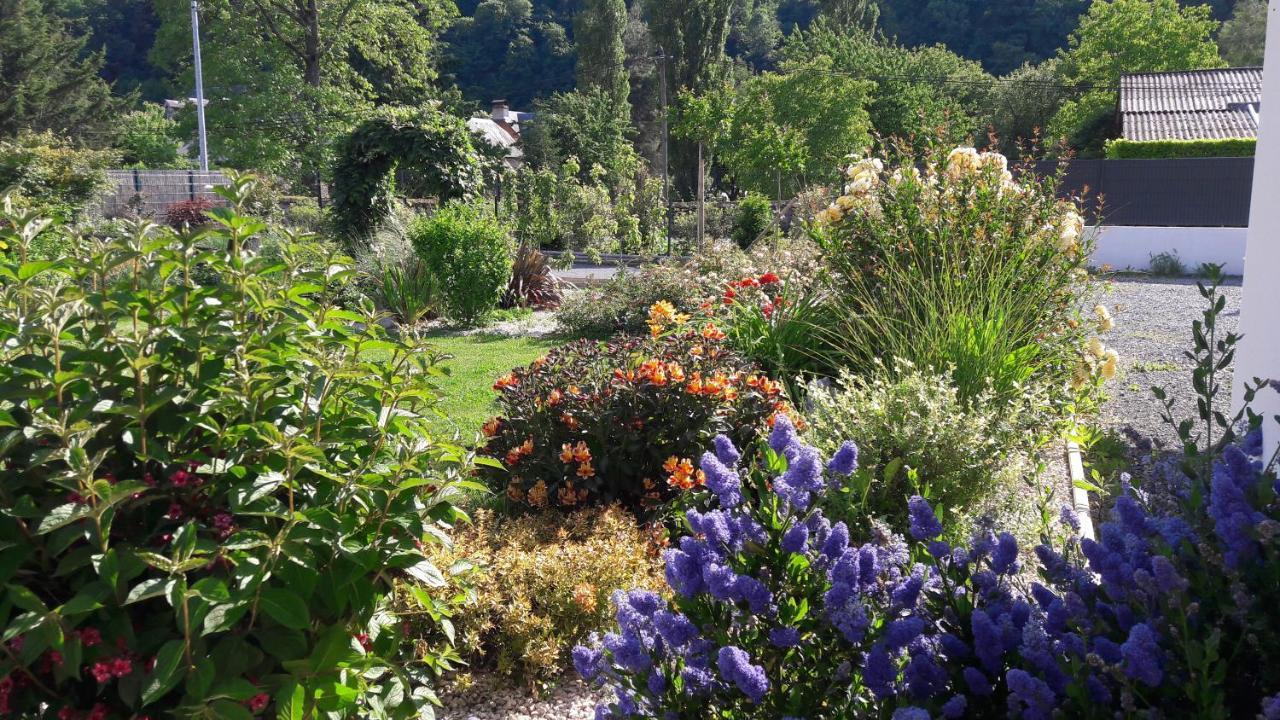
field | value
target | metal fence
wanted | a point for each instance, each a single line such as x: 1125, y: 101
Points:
x: 149, y: 192
x: 1183, y: 192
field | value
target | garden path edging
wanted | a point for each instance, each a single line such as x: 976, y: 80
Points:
x: 1079, y: 496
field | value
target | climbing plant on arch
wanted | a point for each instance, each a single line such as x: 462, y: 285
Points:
x: 436, y: 147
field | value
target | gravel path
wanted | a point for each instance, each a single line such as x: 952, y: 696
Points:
x: 1153, y: 328
x: 490, y: 698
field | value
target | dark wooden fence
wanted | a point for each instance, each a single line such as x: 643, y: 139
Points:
x: 149, y: 192
x: 1185, y: 192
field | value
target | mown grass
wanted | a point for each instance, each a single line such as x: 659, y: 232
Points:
x: 475, y: 362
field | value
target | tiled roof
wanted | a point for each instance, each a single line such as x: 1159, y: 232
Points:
x: 1191, y: 104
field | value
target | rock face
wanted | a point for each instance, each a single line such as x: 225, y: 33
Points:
x: 494, y: 698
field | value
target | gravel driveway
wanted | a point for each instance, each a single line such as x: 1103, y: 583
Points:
x: 1153, y: 329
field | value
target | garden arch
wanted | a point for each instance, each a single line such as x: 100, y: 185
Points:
x: 437, y: 147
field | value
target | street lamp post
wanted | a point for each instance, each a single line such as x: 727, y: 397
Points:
x: 195, y: 47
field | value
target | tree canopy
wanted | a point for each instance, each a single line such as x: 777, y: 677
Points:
x: 48, y: 80
x: 1126, y: 36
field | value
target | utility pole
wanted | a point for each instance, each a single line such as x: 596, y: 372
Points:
x: 195, y: 47
x: 666, y: 143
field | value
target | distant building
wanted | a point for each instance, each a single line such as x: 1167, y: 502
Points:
x: 1191, y: 104
x: 501, y: 128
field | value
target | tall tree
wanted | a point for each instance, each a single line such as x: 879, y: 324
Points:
x: 504, y: 49
x: 124, y: 30
x: 598, y: 30
x: 851, y: 13
x: 1126, y: 36
x: 691, y: 36
x: 47, y: 81
x: 928, y: 91
x: 300, y: 72
x: 1243, y: 37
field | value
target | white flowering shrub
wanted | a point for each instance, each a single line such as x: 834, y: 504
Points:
x: 955, y: 263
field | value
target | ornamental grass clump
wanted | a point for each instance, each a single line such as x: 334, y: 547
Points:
x: 209, y: 492
x: 622, y: 421
x: 962, y: 267
x: 778, y: 613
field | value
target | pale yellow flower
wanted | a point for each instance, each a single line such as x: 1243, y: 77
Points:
x: 1110, y: 364
x: 1105, y: 321
x: 1096, y: 348
x: 961, y: 162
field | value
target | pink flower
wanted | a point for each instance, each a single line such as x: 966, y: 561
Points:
x: 363, y: 639
x: 174, y: 512
x: 101, y: 671
x: 121, y: 666
x: 180, y: 478
x: 258, y: 702
x: 99, y: 712
x: 90, y: 637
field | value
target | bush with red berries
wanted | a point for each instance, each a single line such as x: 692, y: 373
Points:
x: 209, y: 492
x: 623, y: 421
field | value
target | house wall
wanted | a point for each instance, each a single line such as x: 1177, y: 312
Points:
x: 1131, y: 247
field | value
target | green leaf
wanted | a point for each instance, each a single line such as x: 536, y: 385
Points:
x: 230, y: 710
x: 285, y: 607
x: 145, y: 590
x: 223, y: 617
x: 427, y: 573
x: 61, y: 516
x: 291, y: 702
x: 164, y: 676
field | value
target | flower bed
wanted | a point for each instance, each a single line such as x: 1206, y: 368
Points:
x: 777, y: 614
x: 597, y: 422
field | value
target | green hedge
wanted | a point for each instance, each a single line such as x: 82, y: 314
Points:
x: 1152, y: 149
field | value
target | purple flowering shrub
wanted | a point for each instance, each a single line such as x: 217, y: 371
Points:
x: 777, y: 613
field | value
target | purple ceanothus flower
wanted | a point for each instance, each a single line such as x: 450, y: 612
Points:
x: 795, y: 539
x: 1029, y: 696
x: 723, y: 482
x: 1142, y: 655
x: 845, y: 460
x: 784, y: 637
x: 783, y: 434
x: 1005, y: 558
x: 879, y: 672
x: 726, y: 452
x: 736, y: 668
x: 924, y: 523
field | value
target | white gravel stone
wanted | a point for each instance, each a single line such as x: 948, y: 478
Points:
x: 494, y: 698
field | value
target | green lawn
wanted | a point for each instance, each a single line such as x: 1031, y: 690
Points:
x: 477, y: 361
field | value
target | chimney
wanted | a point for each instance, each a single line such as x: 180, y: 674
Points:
x: 499, y: 110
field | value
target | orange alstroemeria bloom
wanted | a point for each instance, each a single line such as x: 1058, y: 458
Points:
x: 671, y: 464
x: 554, y: 398
x: 581, y: 453
x: 538, y: 494
x: 491, y: 427
x: 566, y: 453
x: 569, y: 421
x: 585, y: 470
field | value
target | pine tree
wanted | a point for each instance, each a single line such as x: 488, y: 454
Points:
x: 46, y: 80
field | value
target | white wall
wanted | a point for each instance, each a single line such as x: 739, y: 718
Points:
x: 1131, y: 248
x: 1259, y: 354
